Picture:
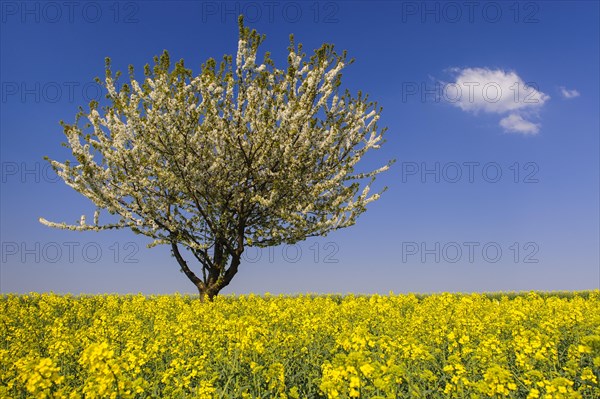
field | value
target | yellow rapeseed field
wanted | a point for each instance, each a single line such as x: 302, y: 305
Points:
x: 394, y: 346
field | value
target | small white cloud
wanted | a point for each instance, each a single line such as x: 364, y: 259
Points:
x: 566, y: 93
x: 515, y: 123
x: 493, y: 91
x: 496, y: 91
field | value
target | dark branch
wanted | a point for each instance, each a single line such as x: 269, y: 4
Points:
x: 190, y: 274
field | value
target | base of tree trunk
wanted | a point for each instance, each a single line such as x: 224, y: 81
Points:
x: 207, y: 295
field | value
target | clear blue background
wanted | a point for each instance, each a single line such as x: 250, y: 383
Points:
x: 553, y: 44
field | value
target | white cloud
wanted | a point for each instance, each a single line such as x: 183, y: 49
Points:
x: 515, y: 123
x: 496, y: 91
x: 493, y: 91
x: 566, y: 93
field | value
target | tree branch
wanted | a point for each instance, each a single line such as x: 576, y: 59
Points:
x: 190, y: 274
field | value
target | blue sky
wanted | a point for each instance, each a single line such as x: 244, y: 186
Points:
x: 491, y: 191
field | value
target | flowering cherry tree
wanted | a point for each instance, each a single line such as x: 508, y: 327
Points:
x: 244, y: 154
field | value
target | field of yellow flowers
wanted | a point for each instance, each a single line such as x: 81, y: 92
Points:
x: 395, y: 346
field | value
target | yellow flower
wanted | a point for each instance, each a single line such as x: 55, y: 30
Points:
x: 367, y: 370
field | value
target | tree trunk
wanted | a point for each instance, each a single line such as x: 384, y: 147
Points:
x: 210, y: 289
x: 207, y: 294
x: 217, y: 279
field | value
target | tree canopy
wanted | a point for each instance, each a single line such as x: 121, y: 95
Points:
x: 243, y: 154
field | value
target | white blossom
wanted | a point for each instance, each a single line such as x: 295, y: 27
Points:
x: 217, y: 162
